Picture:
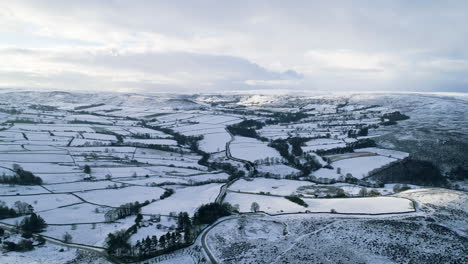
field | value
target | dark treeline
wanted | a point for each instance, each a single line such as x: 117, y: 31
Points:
x: 354, y: 133
x: 33, y: 224
x: 412, y: 171
x: 22, y: 177
x: 458, y: 173
x: 11, y: 111
x: 29, y: 225
x: 6, y: 212
x: 233, y: 171
x: 247, y: 128
x: 209, y: 213
x: 87, y: 106
x: 279, y: 117
x: 184, y: 234
x: 191, y: 141
x: 154, y: 246
x: 124, y: 211
x: 19, y: 208
x: 43, y: 107
x: 392, y: 118
x: 296, y: 199
x: 167, y: 193
x: 282, y: 146
x: 362, y: 143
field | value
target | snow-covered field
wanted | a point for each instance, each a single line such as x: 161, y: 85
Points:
x: 360, y: 167
x: 278, y: 169
x: 385, y: 152
x: 252, y: 149
x: 368, y: 205
x: 79, y: 186
x: 18, y: 189
x: 278, y: 205
x: 151, y: 141
x: 129, y: 143
x: 184, y: 200
x: 327, y: 238
x: 214, y: 142
x: 119, y: 196
x: 323, y: 144
x: 77, y: 213
x: 42, y: 202
x: 49, y: 253
x: 272, y: 186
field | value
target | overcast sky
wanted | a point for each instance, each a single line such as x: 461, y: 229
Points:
x: 215, y: 46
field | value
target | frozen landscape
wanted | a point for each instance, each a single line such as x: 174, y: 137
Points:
x: 117, y: 178
x: 233, y: 132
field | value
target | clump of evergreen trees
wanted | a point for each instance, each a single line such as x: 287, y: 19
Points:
x: 6, y: 212
x: 22, y: 177
x: 281, y: 117
x: 458, y: 173
x: 296, y: 199
x: 167, y: 193
x: 151, y: 246
x: 33, y: 224
x: 124, y: 210
x: 392, y: 118
x: 184, y: 234
x: 246, y: 128
x: 293, y: 157
x: 233, y: 171
x: 354, y: 133
x: 209, y: 213
x: 412, y: 171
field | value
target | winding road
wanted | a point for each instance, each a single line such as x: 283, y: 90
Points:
x: 249, y: 165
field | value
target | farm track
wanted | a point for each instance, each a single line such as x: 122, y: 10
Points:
x: 248, y: 164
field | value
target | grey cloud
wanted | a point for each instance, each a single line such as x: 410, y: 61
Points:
x: 392, y: 45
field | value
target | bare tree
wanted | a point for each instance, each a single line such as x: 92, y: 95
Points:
x: 255, y: 207
x: 67, y: 238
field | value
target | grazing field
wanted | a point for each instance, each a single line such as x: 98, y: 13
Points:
x: 119, y: 196
x: 252, y: 149
x: 278, y: 205
x: 272, y: 186
x: 187, y: 200
x: 42, y: 202
x: 360, y: 167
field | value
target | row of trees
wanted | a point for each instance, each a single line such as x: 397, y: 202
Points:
x: 186, y: 231
x: 209, y: 213
x: 412, y: 171
x: 285, y: 117
x: 362, y: 132
x: 191, y: 141
x: 294, y: 157
x: 392, y: 118
x: 19, y: 208
x: 296, y: 199
x: 233, y: 171
x: 151, y: 246
x: 22, y: 177
x: 124, y: 211
x: 247, y: 128
x: 33, y: 224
